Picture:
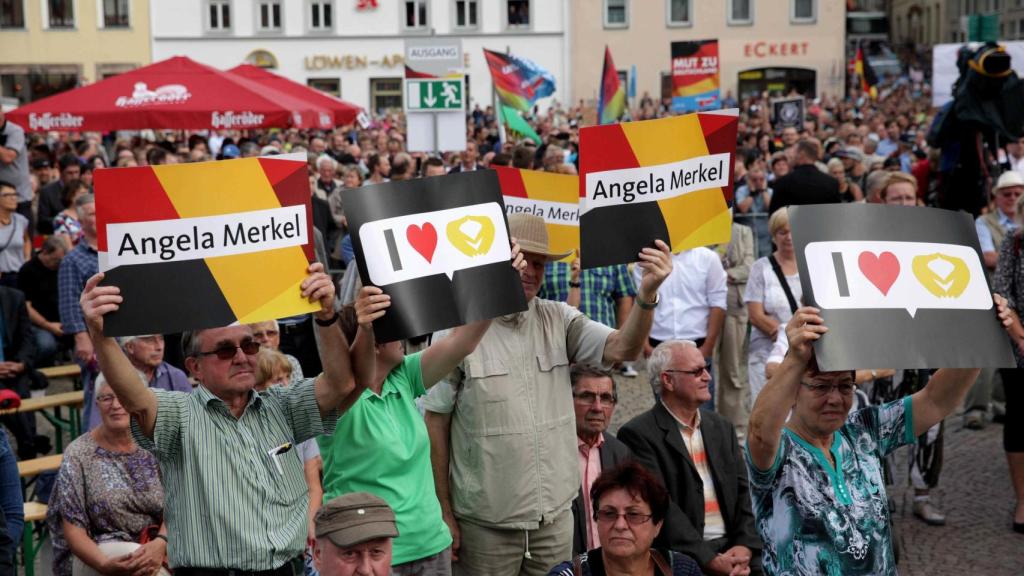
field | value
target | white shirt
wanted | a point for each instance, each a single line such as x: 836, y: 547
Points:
x: 696, y: 284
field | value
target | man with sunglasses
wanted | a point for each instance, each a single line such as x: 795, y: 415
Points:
x: 236, y: 495
x: 694, y: 452
x: 815, y: 469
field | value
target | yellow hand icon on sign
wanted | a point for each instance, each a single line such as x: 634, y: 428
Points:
x: 944, y: 276
x: 471, y: 235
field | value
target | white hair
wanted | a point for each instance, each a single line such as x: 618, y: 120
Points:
x: 661, y: 357
x: 323, y: 159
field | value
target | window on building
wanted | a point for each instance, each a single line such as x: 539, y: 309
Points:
x: 416, y: 14
x: 219, y: 14
x: 741, y: 12
x: 269, y: 15
x: 321, y: 15
x: 517, y: 12
x: 12, y: 14
x: 467, y: 13
x: 680, y: 13
x: 803, y: 11
x: 616, y: 13
x: 61, y: 13
x: 385, y: 94
x: 331, y: 86
x: 115, y: 13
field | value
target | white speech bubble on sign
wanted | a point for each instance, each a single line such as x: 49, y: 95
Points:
x: 417, y: 245
x: 907, y: 275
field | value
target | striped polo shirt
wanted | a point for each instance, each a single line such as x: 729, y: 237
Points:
x: 714, y: 524
x: 230, y: 503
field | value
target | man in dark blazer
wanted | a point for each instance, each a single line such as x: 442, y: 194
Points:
x: 594, y: 398
x: 18, y: 350
x: 805, y: 184
x: 696, y: 455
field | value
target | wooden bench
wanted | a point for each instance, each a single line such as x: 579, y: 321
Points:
x: 36, y: 466
x: 34, y: 513
x: 64, y: 371
x: 56, y: 403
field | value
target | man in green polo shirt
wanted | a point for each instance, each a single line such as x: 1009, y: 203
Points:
x: 236, y: 496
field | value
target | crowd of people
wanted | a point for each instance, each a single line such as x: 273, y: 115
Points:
x: 304, y: 445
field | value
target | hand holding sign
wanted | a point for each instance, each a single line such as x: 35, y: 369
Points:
x: 656, y: 264
x: 98, y: 301
x: 803, y: 330
x: 318, y: 287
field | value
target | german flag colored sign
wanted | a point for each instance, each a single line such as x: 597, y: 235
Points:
x: 669, y: 179
x: 553, y: 197
x: 439, y: 247
x: 206, y: 244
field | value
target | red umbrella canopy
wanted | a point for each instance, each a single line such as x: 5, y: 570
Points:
x: 177, y: 93
x: 344, y: 112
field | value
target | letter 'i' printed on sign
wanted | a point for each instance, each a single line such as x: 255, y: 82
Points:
x: 396, y: 260
x: 840, y: 268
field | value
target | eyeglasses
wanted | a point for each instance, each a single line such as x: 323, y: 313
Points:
x: 227, y: 351
x: 609, y: 516
x: 8, y: 194
x: 1011, y: 193
x: 696, y: 372
x: 822, y: 390
x: 105, y: 399
x: 589, y: 398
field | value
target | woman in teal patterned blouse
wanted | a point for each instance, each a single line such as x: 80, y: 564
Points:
x: 816, y: 478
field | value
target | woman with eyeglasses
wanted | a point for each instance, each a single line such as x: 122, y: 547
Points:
x: 15, y: 241
x: 815, y: 469
x: 629, y: 508
x: 105, y: 514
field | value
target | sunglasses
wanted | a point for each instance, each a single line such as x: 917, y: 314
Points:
x: 227, y: 351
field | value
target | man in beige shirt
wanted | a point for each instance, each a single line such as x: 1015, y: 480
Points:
x: 502, y: 427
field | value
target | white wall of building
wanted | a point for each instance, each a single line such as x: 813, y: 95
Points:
x: 363, y: 43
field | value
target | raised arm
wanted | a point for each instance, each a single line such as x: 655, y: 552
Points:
x: 98, y: 301
x: 626, y: 343
x: 337, y: 380
x: 779, y: 395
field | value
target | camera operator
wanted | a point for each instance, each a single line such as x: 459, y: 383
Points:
x: 752, y: 202
x: 14, y: 164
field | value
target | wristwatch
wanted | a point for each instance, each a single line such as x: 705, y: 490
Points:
x: 574, y: 284
x: 649, y: 305
x: 329, y: 321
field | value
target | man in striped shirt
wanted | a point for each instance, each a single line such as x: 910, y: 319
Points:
x: 236, y: 496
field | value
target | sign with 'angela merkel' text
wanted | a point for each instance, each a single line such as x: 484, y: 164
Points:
x: 668, y: 179
x: 205, y: 244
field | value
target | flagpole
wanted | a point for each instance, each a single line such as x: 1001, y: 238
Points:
x: 502, y: 136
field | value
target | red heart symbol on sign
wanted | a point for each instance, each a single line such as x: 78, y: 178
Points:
x: 423, y: 239
x: 882, y: 270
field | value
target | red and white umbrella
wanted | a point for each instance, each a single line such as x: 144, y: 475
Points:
x: 177, y: 93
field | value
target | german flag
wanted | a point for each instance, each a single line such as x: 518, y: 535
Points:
x: 868, y: 80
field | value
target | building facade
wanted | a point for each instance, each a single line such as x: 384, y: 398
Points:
x: 763, y: 45
x: 921, y: 22
x: 48, y: 46
x: 355, y: 48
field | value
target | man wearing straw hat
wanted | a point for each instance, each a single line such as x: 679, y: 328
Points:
x: 504, y: 419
